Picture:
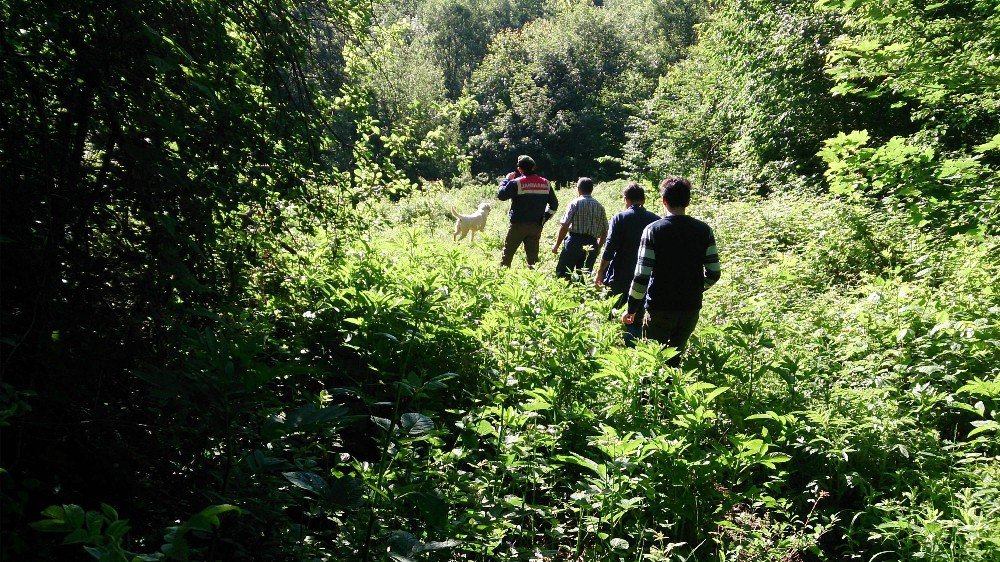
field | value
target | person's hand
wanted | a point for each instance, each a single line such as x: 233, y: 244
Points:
x: 627, y: 318
x: 598, y: 281
x: 512, y: 175
x: 555, y: 248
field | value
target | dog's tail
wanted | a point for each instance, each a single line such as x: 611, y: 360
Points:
x: 453, y: 213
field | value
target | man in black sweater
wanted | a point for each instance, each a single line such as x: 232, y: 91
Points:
x: 622, y: 250
x: 678, y: 261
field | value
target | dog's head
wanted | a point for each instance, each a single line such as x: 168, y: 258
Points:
x: 484, y: 207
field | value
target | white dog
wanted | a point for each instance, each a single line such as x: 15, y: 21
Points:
x: 464, y: 224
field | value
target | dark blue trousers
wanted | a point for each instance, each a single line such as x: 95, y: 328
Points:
x: 575, y: 254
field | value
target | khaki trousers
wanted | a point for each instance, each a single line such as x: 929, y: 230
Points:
x: 527, y: 233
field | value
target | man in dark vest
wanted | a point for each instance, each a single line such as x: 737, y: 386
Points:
x: 678, y: 261
x: 622, y: 250
x: 532, y: 201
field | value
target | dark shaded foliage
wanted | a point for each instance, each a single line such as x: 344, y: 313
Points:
x: 147, y: 152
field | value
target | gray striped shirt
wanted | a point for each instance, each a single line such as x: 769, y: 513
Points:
x: 586, y: 215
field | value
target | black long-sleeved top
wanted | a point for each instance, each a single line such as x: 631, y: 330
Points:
x: 622, y: 248
x: 678, y: 261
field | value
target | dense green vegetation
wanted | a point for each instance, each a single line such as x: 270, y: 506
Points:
x: 235, y: 325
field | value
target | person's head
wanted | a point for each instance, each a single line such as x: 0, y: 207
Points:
x: 634, y: 194
x: 676, y: 192
x: 584, y: 186
x: 526, y: 164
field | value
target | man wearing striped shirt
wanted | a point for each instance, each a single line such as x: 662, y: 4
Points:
x: 678, y: 261
x: 586, y: 222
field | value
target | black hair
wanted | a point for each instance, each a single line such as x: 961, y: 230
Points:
x: 676, y: 192
x: 526, y: 163
x: 634, y: 193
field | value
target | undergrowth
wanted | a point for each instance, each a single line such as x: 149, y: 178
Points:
x: 406, y: 398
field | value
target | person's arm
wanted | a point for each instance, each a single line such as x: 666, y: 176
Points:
x: 604, y: 233
x: 611, y: 247
x: 564, y: 225
x: 508, y: 187
x: 713, y: 269
x: 640, y: 281
x: 563, y: 231
x: 601, y: 272
x: 600, y: 241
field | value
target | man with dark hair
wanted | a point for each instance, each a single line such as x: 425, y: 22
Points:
x: 622, y: 249
x: 678, y: 261
x: 586, y: 223
x: 532, y: 201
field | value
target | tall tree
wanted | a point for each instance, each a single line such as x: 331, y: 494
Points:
x: 558, y: 90
x: 940, y: 61
x: 751, y: 104
x: 459, y: 38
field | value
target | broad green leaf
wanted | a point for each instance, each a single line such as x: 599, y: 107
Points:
x: 208, y: 518
x: 715, y: 394
x: 55, y: 512
x: 51, y: 526
x: 415, y: 424
x: 109, y: 512
x: 992, y: 144
x: 77, y: 536
x: 619, y: 544
x: 436, y: 545
x: 983, y: 426
x: 74, y: 515
x: 484, y: 428
x: 536, y: 405
x: 308, y: 481
x: 117, y: 529
x: 382, y: 422
x: 402, y: 543
x: 580, y: 460
x: 94, y: 522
